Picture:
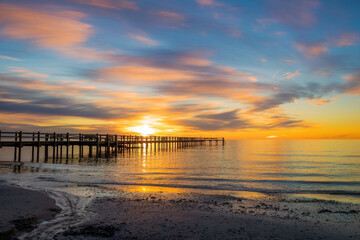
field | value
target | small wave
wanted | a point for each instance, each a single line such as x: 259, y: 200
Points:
x: 271, y: 181
x: 230, y: 188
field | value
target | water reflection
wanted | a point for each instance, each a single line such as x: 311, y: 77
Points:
x: 262, y: 166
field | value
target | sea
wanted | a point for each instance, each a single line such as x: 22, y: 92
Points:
x: 320, y: 169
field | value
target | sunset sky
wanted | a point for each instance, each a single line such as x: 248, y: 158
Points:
x: 233, y: 69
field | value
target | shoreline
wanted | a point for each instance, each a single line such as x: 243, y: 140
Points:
x: 22, y: 210
x: 105, y: 212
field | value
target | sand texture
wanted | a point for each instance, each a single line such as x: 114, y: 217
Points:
x: 21, y: 210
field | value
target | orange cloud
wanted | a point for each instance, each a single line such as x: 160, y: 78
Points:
x: 9, y: 58
x: 291, y: 75
x: 195, y: 61
x: 59, y: 31
x: 318, y: 101
x: 142, y: 73
x: 347, y: 39
x: 143, y: 39
x: 22, y: 72
x: 238, y: 75
x: 312, y: 51
x: 117, y: 4
x: 353, y: 82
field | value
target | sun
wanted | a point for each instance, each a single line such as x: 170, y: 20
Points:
x: 144, y: 130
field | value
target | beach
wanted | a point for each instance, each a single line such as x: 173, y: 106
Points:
x: 21, y: 210
x: 246, y: 190
x: 95, y: 212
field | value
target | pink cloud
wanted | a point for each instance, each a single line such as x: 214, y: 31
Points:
x: 143, y: 39
x: 209, y: 3
x: 313, y: 50
x: 291, y: 75
x: 22, y: 72
x: 294, y: 13
x: 318, y: 101
x: 195, y: 61
x: 60, y: 31
x: 117, y: 4
x: 9, y: 58
x: 143, y: 74
x: 347, y: 39
x: 234, y: 32
x: 170, y: 16
x: 353, y: 82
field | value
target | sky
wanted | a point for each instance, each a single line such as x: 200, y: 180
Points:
x: 217, y: 68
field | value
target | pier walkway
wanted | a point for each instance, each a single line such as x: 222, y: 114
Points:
x: 97, y: 144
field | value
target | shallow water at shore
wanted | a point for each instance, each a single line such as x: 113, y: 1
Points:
x: 323, y: 169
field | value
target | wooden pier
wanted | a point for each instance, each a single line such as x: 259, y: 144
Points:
x: 98, y: 144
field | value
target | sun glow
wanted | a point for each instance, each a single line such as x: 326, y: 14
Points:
x: 144, y: 130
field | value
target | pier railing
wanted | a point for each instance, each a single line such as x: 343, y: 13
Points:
x: 111, y: 144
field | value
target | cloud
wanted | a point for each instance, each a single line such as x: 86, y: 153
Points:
x: 223, y: 116
x: 352, y: 83
x: 312, y: 50
x: 195, y: 61
x: 347, y: 39
x: 272, y: 136
x: 169, y: 66
x: 297, y: 14
x: 22, y: 72
x: 232, y: 32
x: 24, y: 95
x: 9, y: 58
x: 209, y: 3
x: 216, y: 121
x: 115, y: 4
x: 60, y: 31
x: 291, y: 75
x: 142, y: 74
x: 170, y: 16
x: 143, y: 39
x: 318, y: 101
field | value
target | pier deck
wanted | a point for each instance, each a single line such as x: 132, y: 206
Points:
x: 111, y: 144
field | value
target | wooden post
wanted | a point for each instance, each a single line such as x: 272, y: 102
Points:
x: 72, y: 151
x: 107, y: 145
x: 57, y: 148
x: 97, y: 145
x: 90, y: 150
x: 20, y: 146
x: 67, y: 145
x: 54, y: 146
x: 116, y: 145
x: 46, y: 148
x: 79, y: 145
x: 15, y: 147
x: 33, y: 147
x: 38, y: 148
x: 61, y: 145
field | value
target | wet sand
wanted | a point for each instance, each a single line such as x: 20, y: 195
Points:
x: 105, y: 212
x: 21, y: 210
x: 196, y: 216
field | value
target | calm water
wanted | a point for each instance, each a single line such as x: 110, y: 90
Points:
x: 327, y: 169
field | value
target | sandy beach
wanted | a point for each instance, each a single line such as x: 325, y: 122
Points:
x: 93, y: 212
x: 21, y: 210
